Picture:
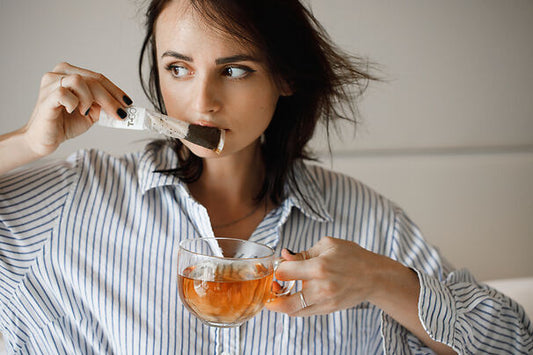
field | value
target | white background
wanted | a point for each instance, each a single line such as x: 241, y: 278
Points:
x: 448, y: 135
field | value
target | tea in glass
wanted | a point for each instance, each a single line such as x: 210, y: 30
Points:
x: 223, y: 281
x: 233, y: 294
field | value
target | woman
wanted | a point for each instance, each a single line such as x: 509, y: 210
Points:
x: 88, y: 246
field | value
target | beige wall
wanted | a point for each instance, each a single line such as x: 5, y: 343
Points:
x: 448, y: 136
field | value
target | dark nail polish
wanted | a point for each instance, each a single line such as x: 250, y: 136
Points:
x: 122, y: 113
x: 291, y: 252
x: 87, y: 112
x: 127, y: 100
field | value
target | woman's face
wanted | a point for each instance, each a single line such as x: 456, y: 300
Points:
x: 208, y: 78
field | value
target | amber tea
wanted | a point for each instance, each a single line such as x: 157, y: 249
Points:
x: 233, y: 294
x: 225, y: 281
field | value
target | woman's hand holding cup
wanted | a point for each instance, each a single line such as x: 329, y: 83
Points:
x: 337, y: 274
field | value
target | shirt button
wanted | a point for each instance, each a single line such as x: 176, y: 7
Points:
x: 225, y: 353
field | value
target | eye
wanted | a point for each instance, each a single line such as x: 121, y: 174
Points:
x: 178, y: 71
x: 237, y: 72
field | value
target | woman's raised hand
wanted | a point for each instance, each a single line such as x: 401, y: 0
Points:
x: 69, y: 103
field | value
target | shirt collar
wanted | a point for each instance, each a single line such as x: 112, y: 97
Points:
x: 157, y: 159
x: 306, y: 195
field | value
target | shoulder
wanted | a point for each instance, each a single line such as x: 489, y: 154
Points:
x: 351, y: 195
x: 94, y: 160
x: 335, y: 187
x: 42, y: 176
x: 97, y: 166
x: 61, y: 175
x: 374, y: 221
x: 358, y: 212
x: 345, y: 198
x: 367, y: 217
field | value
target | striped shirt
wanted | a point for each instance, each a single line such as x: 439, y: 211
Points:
x: 88, y: 265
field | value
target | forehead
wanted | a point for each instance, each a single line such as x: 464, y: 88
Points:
x: 179, y: 24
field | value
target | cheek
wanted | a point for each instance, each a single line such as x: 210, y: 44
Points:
x: 253, y: 114
x: 172, y: 104
x: 262, y: 102
x: 268, y: 107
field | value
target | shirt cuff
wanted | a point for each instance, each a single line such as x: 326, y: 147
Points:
x: 436, y: 309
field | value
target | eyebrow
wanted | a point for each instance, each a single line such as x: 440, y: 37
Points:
x: 218, y: 61
x: 177, y: 56
x: 236, y: 58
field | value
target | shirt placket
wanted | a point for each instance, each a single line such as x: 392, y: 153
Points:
x: 197, y: 214
x: 228, y: 341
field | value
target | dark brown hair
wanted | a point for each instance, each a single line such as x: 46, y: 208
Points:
x: 324, y: 80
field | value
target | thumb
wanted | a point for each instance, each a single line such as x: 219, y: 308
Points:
x: 289, y: 255
x: 315, y: 251
x: 296, y: 266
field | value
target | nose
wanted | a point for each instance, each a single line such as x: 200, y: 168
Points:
x: 206, y: 95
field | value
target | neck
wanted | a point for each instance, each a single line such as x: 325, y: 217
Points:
x: 235, y: 179
x: 228, y: 189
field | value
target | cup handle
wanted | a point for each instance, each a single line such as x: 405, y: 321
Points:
x: 285, y: 290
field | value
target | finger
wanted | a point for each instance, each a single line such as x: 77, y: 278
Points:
x: 63, y: 97
x: 325, y: 243
x: 292, y: 304
x: 303, y: 269
x: 114, y: 90
x: 322, y: 306
x: 108, y: 103
x: 289, y: 255
x: 92, y: 92
x: 298, y: 270
x: 287, y: 304
x: 50, y: 82
x: 94, y: 113
x: 305, y: 254
x: 79, y: 87
x: 276, y: 288
x: 312, y: 310
x: 120, y: 95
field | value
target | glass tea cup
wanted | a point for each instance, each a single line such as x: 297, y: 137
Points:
x: 226, y: 281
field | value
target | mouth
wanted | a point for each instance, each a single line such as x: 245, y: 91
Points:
x: 209, y: 124
x: 205, y: 124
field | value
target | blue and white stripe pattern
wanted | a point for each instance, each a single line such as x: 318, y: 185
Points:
x: 88, y: 266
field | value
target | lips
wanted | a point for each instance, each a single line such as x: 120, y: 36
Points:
x: 208, y: 124
x: 205, y: 123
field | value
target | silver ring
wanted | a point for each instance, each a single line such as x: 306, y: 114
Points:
x: 61, y: 81
x: 302, y: 300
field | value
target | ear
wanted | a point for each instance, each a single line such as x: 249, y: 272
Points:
x: 285, y: 89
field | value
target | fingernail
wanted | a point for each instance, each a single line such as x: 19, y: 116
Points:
x: 87, y: 112
x: 127, y: 100
x: 291, y: 252
x: 122, y: 113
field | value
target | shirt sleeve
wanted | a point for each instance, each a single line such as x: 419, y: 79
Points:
x: 453, y: 307
x: 31, y: 200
